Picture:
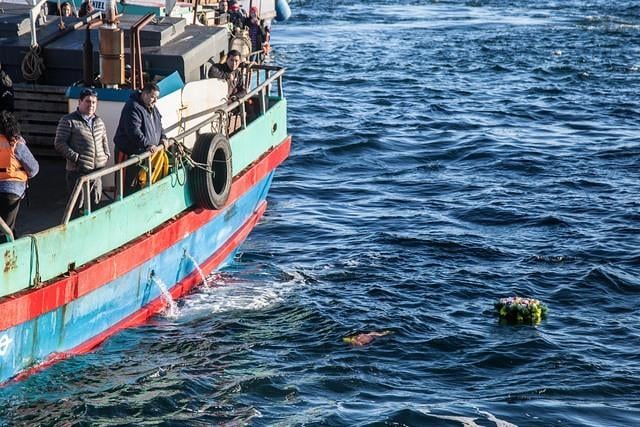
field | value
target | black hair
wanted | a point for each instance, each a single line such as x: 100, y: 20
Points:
x: 234, y: 52
x: 150, y: 87
x: 9, y: 126
x: 87, y: 92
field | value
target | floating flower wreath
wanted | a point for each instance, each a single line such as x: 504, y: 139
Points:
x: 514, y: 310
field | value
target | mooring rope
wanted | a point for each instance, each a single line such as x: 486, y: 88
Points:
x: 33, y: 64
x: 34, y: 251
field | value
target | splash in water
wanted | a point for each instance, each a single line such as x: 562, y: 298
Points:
x: 171, y: 309
x: 203, y: 276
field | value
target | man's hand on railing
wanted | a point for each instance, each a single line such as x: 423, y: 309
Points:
x: 154, y: 148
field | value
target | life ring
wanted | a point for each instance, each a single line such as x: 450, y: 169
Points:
x: 211, y: 175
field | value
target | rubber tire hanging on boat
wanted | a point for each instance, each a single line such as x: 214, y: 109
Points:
x: 211, y: 190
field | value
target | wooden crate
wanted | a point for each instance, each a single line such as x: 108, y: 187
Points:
x: 38, y: 109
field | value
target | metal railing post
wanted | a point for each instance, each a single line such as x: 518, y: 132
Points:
x: 263, y: 101
x: 6, y: 230
x: 87, y: 197
x: 121, y: 184
x: 150, y: 173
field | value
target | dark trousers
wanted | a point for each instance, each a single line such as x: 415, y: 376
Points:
x: 130, y: 175
x: 9, y: 206
x: 72, y: 177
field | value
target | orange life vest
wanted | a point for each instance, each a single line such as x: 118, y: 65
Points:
x: 10, y: 167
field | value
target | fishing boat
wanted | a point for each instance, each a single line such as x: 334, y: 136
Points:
x: 72, y: 280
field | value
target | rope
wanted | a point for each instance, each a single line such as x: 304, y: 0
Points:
x: 33, y: 64
x: 34, y: 249
x: 183, y: 156
x: 160, y: 165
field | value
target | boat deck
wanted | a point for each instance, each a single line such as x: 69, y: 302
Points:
x: 46, y: 198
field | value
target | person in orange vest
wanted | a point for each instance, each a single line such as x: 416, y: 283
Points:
x: 17, y: 165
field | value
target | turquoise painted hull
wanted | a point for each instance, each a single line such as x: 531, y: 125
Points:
x: 101, y: 272
x: 77, y: 322
x: 51, y: 253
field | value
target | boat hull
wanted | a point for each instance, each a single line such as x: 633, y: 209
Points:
x: 74, y: 313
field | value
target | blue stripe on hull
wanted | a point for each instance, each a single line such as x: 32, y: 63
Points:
x: 63, y: 329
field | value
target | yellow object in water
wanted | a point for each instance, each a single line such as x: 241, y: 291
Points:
x: 159, y: 167
x: 364, y: 338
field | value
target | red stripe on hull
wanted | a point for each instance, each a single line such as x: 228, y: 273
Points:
x: 155, y: 306
x: 29, y: 304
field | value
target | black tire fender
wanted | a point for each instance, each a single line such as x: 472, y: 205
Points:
x: 211, y: 190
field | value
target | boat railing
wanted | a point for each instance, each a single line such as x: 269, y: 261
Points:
x: 4, y: 227
x: 272, y: 76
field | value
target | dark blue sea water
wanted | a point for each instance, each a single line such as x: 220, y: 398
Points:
x: 446, y: 154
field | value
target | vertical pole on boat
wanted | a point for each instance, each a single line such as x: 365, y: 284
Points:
x: 120, y: 183
x: 263, y: 100
x: 267, y: 76
x: 87, y: 58
x: 243, y: 114
x: 150, y: 174
x: 32, y: 18
x: 195, y: 11
x: 133, y: 57
x: 137, y: 80
x: 87, y: 197
x: 280, y: 91
x: 111, y: 48
x: 6, y: 230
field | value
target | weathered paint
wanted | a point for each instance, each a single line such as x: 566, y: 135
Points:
x: 51, y: 253
x: 89, y: 317
x: 33, y: 303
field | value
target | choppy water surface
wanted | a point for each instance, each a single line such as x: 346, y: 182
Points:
x: 446, y: 154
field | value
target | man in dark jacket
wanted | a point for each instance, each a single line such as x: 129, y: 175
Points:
x: 140, y: 126
x: 237, y: 15
x: 232, y: 73
x: 81, y: 138
x: 139, y: 130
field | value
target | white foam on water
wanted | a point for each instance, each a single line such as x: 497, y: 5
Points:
x: 469, y: 421
x: 224, y: 295
x: 499, y: 422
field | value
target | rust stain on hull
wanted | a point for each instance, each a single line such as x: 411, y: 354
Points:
x: 10, y: 260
